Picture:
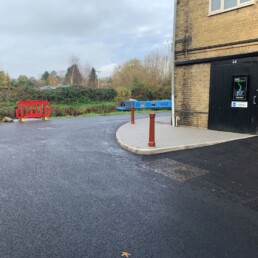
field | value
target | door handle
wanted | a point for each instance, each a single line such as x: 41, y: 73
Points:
x: 254, y: 100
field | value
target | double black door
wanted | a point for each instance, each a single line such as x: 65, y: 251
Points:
x: 233, y: 105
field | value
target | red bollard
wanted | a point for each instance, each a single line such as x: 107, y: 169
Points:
x: 152, y: 131
x: 132, y: 116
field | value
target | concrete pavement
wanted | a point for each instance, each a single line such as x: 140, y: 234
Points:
x: 135, y: 137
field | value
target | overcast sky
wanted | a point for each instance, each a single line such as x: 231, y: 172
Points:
x: 42, y: 35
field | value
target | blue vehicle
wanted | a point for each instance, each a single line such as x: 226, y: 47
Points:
x: 127, y: 105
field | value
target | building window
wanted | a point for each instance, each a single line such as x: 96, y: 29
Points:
x: 218, y: 6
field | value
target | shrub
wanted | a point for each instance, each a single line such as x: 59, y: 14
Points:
x: 123, y: 94
x: 162, y: 92
x: 141, y: 92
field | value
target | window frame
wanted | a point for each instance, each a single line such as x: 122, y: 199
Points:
x: 222, y: 10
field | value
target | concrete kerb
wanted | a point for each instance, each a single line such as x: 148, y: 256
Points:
x: 143, y: 151
x: 140, y: 146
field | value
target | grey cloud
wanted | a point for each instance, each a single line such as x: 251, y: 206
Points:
x: 101, y: 32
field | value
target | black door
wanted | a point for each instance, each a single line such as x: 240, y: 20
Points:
x: 233, y: 90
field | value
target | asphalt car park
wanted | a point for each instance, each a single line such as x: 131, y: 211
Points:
x: 68, y: 190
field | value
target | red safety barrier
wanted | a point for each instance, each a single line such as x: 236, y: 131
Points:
x: 33, y: 109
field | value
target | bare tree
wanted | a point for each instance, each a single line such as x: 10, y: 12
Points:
x: 157, y: 65
x: 74, y: 62
x: 154, y: 71
x: 85, y: 72
x: 125, y: 75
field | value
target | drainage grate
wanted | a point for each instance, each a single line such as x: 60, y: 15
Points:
x: 175, y: 170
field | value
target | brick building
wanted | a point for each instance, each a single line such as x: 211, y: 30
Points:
x: 216, y: 76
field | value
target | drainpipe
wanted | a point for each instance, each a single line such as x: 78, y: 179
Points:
x: 173, y: 120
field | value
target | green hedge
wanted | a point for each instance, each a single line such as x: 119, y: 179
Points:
x: 141, y: 92
x: 77, y: 94
x: 65, y: 95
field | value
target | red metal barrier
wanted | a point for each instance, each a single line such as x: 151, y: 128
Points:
x: 33, y: 109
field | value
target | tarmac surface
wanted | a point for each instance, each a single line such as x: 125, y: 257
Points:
x: 135, y: 137
x: 67, y: 189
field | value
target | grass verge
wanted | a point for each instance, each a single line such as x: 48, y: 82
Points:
x: 76, y: 109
